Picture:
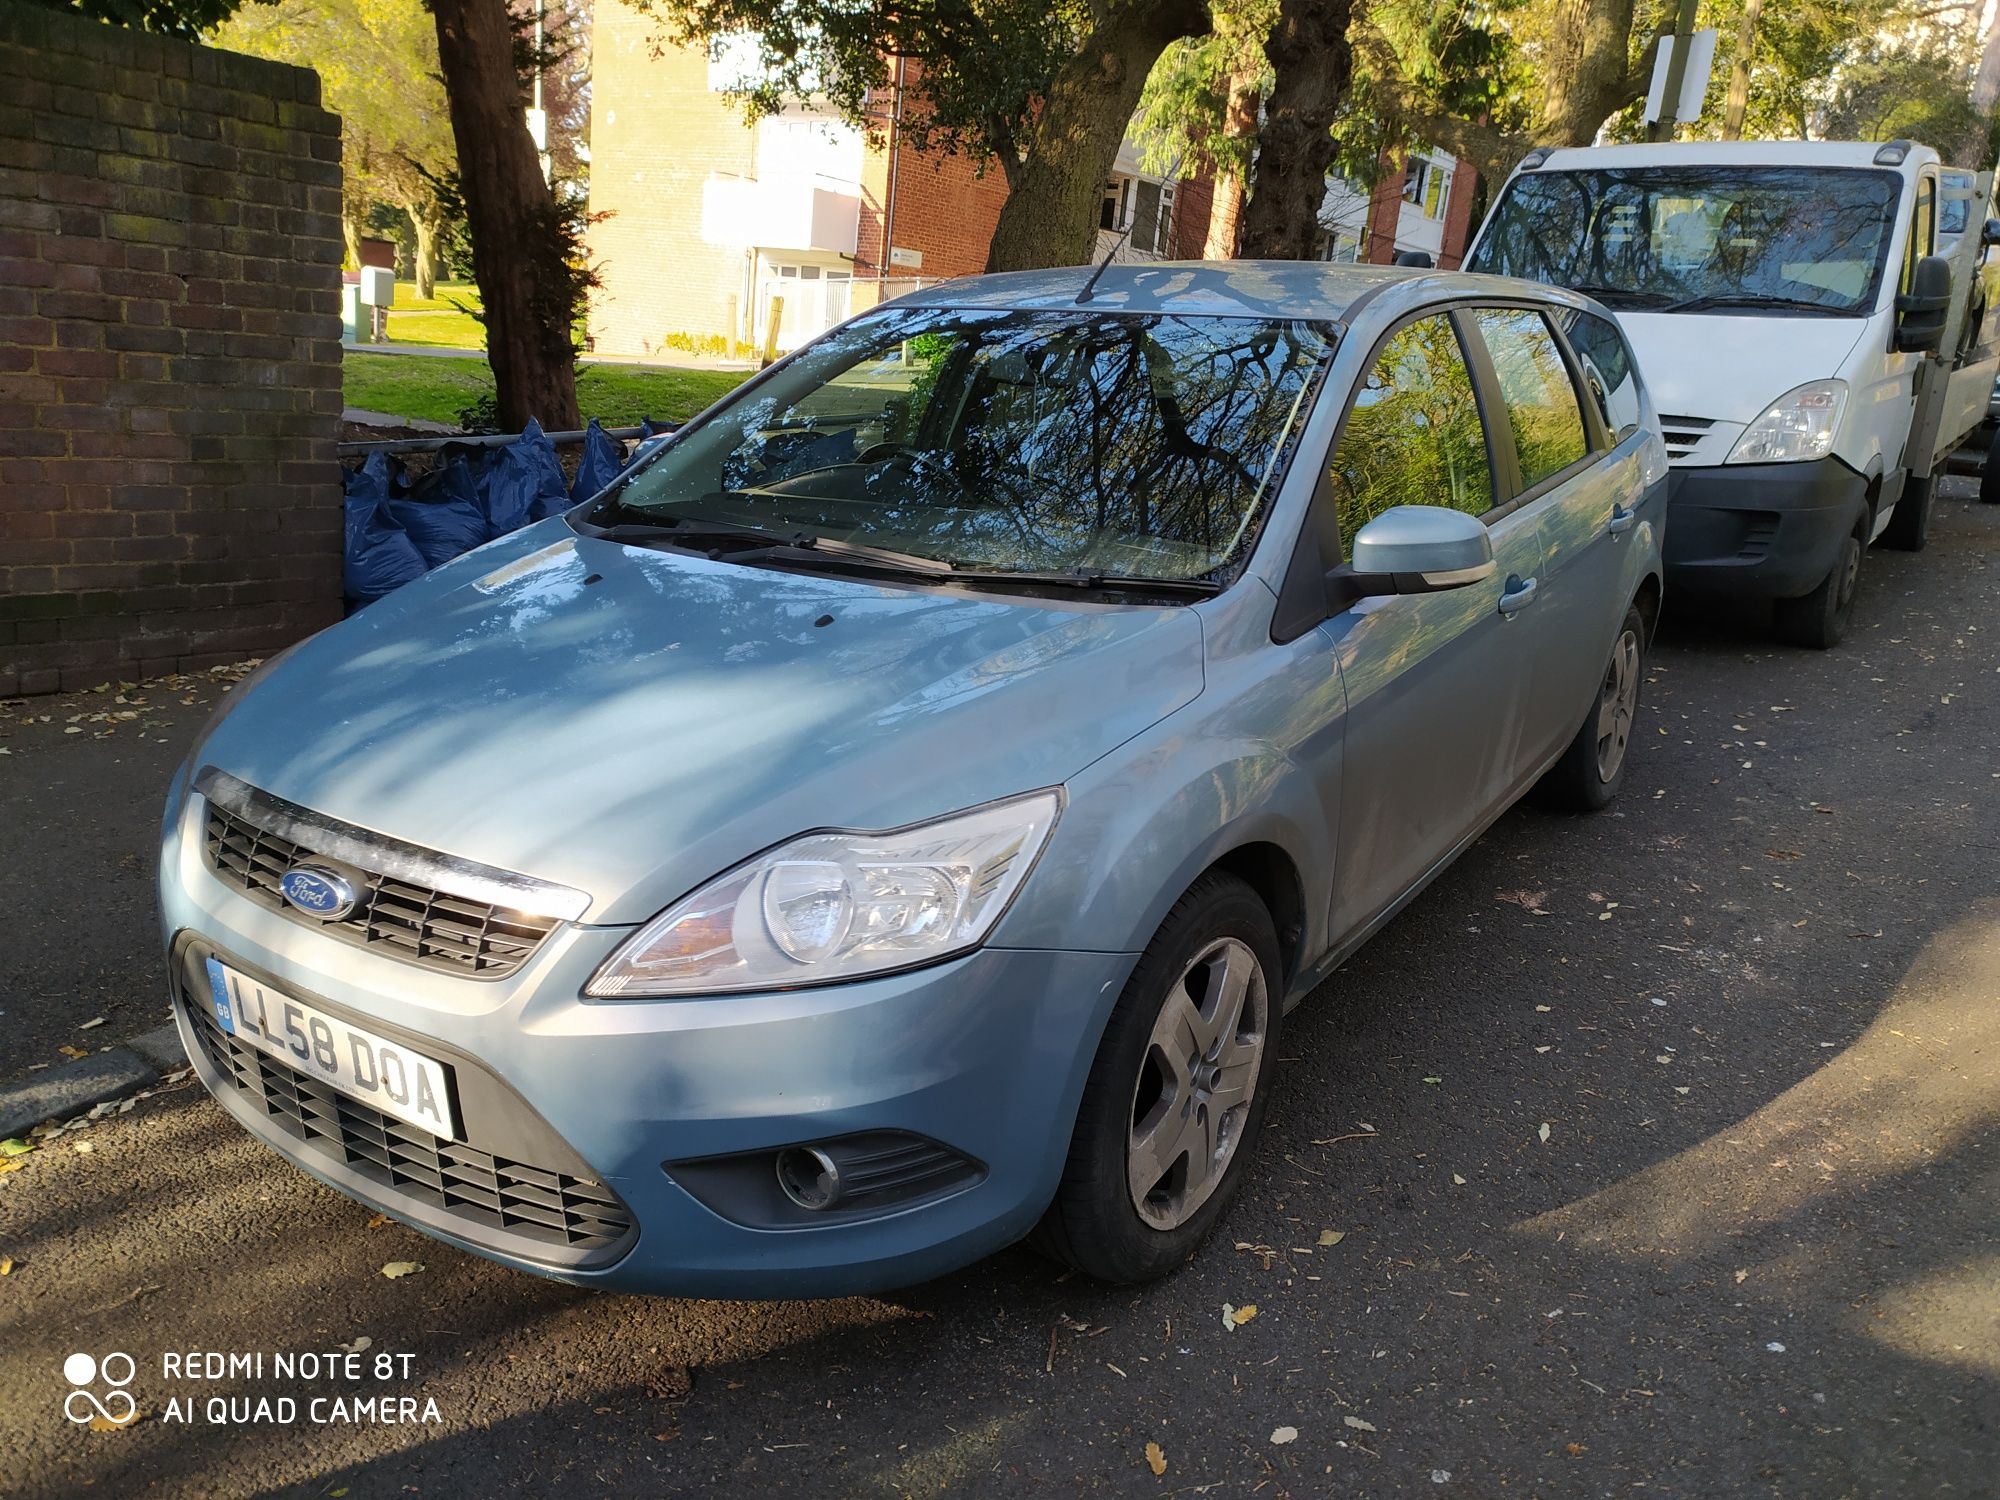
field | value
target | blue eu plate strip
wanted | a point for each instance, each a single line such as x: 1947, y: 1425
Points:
x: 218, y: 984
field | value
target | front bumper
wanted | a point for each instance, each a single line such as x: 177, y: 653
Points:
x: 986, y: 1054
x: 1766, y: 531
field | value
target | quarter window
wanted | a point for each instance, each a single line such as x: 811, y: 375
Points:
x: 1413, y: 436
x: 1536, y: 390
x: 1607, y: 369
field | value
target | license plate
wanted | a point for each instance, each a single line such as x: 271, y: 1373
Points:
x: 391, y: 1077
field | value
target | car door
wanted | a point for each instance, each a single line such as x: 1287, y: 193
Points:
x: 1581, y: 500
x: 1435, y: 683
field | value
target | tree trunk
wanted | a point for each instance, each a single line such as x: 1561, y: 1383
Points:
x: 1311, y: 63
x: 350, y: 234
x: 519, y: 253
x: 1225, y: 214
x: 1591, y: 76
x: 1986, y: 79
x: 1739, y: 72
x: 426, y: 265
x: 1050, y: 216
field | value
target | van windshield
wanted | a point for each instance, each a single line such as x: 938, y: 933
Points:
x: 1120, y: 444
x: 1791, y: 240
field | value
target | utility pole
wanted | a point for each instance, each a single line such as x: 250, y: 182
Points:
x: 1739, y: 72
x: 1683, y: 38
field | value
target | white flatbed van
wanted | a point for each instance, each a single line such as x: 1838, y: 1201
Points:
x: 1787, y: 301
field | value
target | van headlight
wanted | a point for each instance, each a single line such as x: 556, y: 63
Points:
x: 1799, y: 425
x: 835, y: 906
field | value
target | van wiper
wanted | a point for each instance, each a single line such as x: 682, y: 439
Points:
x: 1612, y: 294
x: 1753, y: 299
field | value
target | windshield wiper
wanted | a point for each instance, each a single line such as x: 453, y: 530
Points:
x: 700, y: 535
x: 1752, y: 299
x: 1612, y: 293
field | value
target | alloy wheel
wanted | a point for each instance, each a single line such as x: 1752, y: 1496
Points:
x: 1617, y: 702
x: 1191, y: 1100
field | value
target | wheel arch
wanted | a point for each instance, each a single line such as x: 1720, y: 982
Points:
x: 1270, y: 871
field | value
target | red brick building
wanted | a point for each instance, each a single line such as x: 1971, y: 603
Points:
x: 709, y: 222
x: 1422, y: 200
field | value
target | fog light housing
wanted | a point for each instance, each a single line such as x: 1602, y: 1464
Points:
x: 809, y: 1177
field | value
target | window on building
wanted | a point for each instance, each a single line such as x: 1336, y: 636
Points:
x: 1146, y: 206
x: 1427, y: 186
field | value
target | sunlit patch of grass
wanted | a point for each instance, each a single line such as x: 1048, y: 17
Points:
x: 438, y: 388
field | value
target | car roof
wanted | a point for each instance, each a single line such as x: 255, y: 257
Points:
x: 1204, y: 288
x: 1727, y: 153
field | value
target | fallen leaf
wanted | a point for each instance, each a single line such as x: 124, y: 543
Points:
x: 102, y: 1423
x: 1433, y: 1080
x: 1332, y: 1236
x: 1457, y: 1181
x: 397, y: 1269
x: 1741, y: 1277
x: 73, y: 1052
x: 15, y: 1146
x: 1575, y: 1450
x: 83, y: 1148
x: 1234, y: 1318
x: 6, y: 1265
x: 10, y: 1165
x: 378, y: 1221
x: 1358, y: 1425
x: 1283, y: 1435
x: 361, y: 1342
x: 1544, y: 1132
x: 1156, y: 1460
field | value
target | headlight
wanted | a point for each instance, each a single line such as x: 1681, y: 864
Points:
x: 832, y: 906
x: 1799, y: 425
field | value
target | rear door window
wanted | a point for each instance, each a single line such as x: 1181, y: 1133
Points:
x: 1413, y: 435
x: 1536, y: 388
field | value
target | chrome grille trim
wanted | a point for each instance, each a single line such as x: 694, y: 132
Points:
x: 381, y: 855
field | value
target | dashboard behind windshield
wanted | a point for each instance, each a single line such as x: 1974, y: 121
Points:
x: 1807, y: 241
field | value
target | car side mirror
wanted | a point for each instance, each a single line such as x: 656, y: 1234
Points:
x: 1920, y: 312
x: 1421, y: 549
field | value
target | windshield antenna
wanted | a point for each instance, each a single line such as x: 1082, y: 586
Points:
x: 1173, y: 175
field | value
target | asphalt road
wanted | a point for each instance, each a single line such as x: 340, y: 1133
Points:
x: 1753, y: 1007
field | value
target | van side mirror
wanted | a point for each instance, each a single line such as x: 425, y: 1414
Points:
x: 1990, y: 233
x: 1421, y: 549
x: 1920, y: 312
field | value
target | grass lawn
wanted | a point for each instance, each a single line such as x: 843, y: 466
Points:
x: 436, y: 320
x: 437, y: 388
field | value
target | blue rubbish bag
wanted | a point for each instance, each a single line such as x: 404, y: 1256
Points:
x: 603, y: 461
x: 442, y: 512
x: 523, y: 482
x: 380, y: 557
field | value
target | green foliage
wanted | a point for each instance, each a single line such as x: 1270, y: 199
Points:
x: 182, y: 18
x: 1464, y: 59
x: 1183, y: 118
x: 984, y: 62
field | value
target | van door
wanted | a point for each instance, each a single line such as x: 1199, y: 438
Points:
x: 1887, y: 404
x: 1436, y: 684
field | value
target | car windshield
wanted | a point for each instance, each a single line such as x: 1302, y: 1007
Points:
x: 1809, y: 241
x: 1114, y: 444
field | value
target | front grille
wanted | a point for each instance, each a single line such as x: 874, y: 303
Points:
x: 482, y: 1190
x: 418, y: 923
x: 1684, y: 434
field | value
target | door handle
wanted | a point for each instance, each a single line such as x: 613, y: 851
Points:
x: 1621, y: 519
x: 1519, y: 594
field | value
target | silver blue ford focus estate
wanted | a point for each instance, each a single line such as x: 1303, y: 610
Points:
x: 895, y: 817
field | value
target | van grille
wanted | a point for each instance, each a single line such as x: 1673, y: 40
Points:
x: 482, y: 1190
x: 417, y: 923
x: 1683, y: 435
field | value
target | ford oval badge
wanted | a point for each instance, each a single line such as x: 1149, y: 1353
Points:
x: 318, y: 892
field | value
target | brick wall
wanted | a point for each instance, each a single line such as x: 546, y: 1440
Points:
x: 169, y: 354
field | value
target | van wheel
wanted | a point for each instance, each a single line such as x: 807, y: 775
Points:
x: 1989, y: 476
x: 1820, y: 619
x: 1910, y: 522
x: 1177, y: 1093
x: 1593, y: 767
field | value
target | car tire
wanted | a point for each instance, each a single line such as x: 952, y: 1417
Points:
x: 1910, y: 522
x: 1593, y: 767
x: 1819, y: 619
x: 1989, y: 476
x: 1108, y: 1220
